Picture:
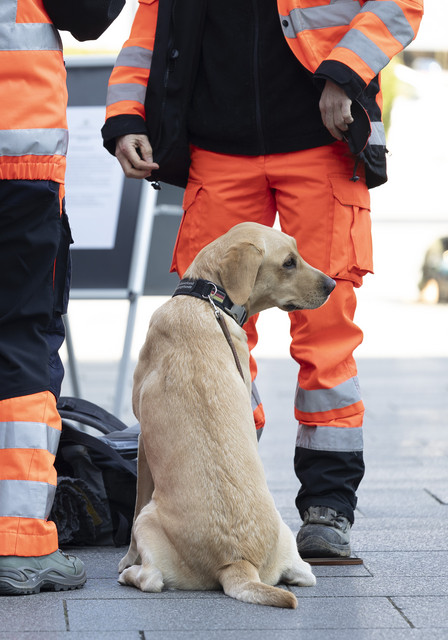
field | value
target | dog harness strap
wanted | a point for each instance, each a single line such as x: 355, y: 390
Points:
x: 225, y: 330
x: 204, y: 289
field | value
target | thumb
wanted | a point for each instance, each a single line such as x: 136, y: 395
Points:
x: 146, y: 150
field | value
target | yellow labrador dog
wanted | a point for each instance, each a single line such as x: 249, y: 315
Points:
x: 204, y: 517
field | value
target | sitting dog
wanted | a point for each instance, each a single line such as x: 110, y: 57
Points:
x: 204, y: 517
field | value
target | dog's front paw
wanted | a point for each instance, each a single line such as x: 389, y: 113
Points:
x: 145, y: 579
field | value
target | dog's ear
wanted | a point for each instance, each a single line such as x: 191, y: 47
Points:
x: 238, y: 270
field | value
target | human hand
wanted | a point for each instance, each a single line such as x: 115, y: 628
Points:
x: 334, y: 107
x: 134, y: 153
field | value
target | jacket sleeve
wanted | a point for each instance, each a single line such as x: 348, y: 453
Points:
x: 380, y: 30
x: 125, y: 110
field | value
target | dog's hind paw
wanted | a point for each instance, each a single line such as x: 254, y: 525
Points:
x: 300, y: 575
x: 153, y: 582
x: 131, y: 558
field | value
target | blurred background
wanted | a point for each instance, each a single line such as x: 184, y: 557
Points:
x: 402, y: 308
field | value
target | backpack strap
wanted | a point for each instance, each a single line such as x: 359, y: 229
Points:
x: 90, y: 414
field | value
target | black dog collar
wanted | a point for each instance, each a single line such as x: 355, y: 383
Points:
x: 204, y: 289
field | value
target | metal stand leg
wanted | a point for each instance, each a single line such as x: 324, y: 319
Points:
x: 72, y: 365
x: 126, y: 356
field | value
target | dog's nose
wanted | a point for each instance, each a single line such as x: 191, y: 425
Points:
x: 328, y: 284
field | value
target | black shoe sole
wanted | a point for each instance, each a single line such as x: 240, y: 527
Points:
x: 319, y: 548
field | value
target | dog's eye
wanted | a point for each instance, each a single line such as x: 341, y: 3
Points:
x: 290, y: 263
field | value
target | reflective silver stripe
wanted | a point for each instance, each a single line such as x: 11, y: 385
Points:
x: 118, y: 92
x: 29, y: 37
x: 394, y: 19
x: 8, y: 11
x: 134, y: 57
x: 255, y: 401
x: 318, y: 400
x: 378, y: 135
x: 329, y: 438
x: 36, y: 142
x: 255, y: 397
x: 26, y: 499
x: 365, y: 48
x: 335, y: 15
x: 29, y: 435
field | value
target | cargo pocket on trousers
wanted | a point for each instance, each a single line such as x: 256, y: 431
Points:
x: 187, y: 242
x: 351, y: 255
x: 62, y: 269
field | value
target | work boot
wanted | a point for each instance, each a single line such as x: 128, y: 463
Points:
x: 54, y: 572
x: 325, y: 533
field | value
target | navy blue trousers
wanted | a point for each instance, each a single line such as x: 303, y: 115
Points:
x: 34, y: 286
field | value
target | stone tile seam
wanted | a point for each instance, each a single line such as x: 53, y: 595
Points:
x: 66, y: 616
x: 401, y: 612
x: 436, y: 498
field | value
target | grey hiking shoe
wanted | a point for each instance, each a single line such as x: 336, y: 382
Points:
x: 54, y: 572
x: 325, y: 533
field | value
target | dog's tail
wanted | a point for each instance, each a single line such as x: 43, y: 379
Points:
x: 240, y: 580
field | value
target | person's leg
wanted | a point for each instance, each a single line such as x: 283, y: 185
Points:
x: 329, y: 216
x: 222, y: 191
x: 329, y: 448
x: 33, y: 275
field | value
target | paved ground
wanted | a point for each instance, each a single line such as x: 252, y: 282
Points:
x: 401, y: 533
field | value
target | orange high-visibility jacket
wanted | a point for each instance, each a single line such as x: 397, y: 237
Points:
x: 347, y: 41
x: 33, y: 94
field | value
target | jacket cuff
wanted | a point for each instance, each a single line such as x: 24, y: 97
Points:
x: 122, y: 125
x: 341, y: 75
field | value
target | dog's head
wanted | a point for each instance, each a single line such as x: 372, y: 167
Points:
x: 259, y: 268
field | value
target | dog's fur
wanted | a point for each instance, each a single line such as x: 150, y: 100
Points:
x: 204, y: 517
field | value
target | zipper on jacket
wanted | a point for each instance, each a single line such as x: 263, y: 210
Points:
x: 256, y: 73
x: 170, y: 61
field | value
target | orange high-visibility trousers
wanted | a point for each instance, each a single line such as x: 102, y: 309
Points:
x: 30, y: 436
x: 329, y: 216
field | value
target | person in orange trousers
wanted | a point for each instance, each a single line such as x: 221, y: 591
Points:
x: 265, y: 107
x: 34, y: 276
x: 310, y: 190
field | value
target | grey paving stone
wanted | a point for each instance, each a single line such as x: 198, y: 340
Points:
x: 100, y: 562
x: 257, y: 634
x: 29, y: 613
x: 72, y: 635
x: 425, y: 612
x: 397, y: 502
x: 407, y: 539
x: 370, y: 586
x: 346, y: 571
x: 384, y: 472
x: 361, y: 634
x: 407, y: 564
x: 394, y: 524
x: 228, y: 614
x: 106, y: 589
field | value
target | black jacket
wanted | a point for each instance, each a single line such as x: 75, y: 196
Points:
x: 173, y: 70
